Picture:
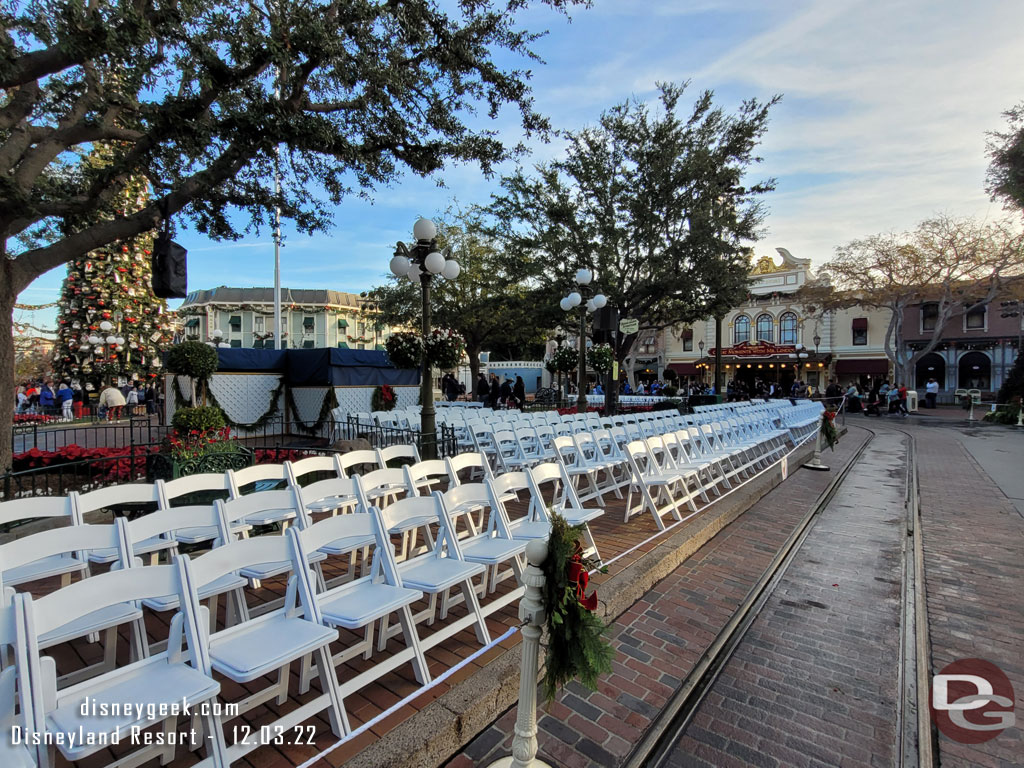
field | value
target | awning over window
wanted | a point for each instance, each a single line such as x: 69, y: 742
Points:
x: 192, y: 322
x: 684, y: 369
x: 235, y: 320
x: 258, y: 344
x: 308, y: 322
x: 342, y: 345
x: 308, y: 344
x: 860, y: 323
x: 868, y: 367
x: 343, y: 323
x: 380, y: 348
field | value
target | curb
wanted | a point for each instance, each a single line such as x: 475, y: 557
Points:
x: 443, y: 727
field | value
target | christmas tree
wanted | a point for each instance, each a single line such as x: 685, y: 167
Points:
x: 109, y: 323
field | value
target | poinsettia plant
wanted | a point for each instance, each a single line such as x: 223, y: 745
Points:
x: 828, y: 428
x: 200, y: 442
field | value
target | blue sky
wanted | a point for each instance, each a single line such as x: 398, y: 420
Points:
x: 883, y: 120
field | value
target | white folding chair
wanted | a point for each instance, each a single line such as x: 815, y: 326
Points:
x: 57, y: 544
x: 562, y: 499
x: 155, y: 686
x: 359, y: 604
x: 15, y: 697
x: 436, y: 570
x: 270, y: 643
x: 65, y: 565
x: 129, y: 493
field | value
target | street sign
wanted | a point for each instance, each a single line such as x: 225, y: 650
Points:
x: 628, y: 326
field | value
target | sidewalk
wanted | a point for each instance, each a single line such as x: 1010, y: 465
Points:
x: 659, y: 638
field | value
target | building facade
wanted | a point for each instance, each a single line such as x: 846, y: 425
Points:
x: 311, y: 318
x: 768, y: 334
x: 773, y: 337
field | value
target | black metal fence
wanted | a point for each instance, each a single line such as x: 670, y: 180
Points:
x: 47, y: 436
x: 137, y: 453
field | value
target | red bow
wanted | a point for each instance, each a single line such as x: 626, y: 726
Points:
x: 579, y: 577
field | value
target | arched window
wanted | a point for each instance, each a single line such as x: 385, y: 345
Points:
x: 787, y: 329
x: 765, y: 328
x: 741, y: 329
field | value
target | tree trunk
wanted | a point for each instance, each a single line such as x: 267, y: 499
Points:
x: 473, y: 353
x: 7, y: 383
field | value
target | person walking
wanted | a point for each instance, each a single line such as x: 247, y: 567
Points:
x: 931, y: 393
x: 505, y: 393
x: 902, y: 393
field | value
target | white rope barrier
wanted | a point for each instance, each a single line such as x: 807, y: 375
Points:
x: 418, y: 692
x: 714, y: 501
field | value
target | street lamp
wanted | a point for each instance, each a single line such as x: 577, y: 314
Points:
x: 425, y: 260
x: 595, y: 302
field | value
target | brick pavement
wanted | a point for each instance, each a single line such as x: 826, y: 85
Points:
x: 814, y: 680
x: 974, y: 572
x: 660, y: 637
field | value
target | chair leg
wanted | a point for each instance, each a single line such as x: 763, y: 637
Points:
x: 483, y: 636
x: 329, y: 683
x: 282, y: 684
x: 412, y: 640
x: 305, y: 672
x: 167, y: 753
x: 140, y: 641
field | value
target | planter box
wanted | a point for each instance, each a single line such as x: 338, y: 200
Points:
x: 162, y: 467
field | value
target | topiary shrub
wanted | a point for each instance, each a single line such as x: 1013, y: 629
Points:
x: 669, y: 391
x: 194, y: 359
x: 201, y: 419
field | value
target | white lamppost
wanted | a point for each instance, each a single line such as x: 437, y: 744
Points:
x: 595, y: 302
x: 425, y: 261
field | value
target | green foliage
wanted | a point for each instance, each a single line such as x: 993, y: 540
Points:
x: 194, y: 359
x: 577, y: 648
x: 564, y: 359
x: 1004, y: 415
x: 669, y: 391
x: 1013, y: 385
x: 651, y: 199
x: 670, y: 375
x: 493, y: 304
x: 828, y: 428
x: 444, y: 348
x: 1005, y: 179
x: 198, y: 419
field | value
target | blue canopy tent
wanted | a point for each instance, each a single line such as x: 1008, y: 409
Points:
x: 318, y: 367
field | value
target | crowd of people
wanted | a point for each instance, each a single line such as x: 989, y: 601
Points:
x: 878, y: 397
x: 68, y: 400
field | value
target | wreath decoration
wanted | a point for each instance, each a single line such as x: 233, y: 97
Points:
x: 576, y: 648
x: 383, y: 398
x: 405, y: 349
x: 828, y: 428
x: 600, y: 357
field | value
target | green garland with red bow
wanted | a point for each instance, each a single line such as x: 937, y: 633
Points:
x: 576, y: 647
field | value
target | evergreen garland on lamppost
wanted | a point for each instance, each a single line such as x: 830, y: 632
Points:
x: 109, y: 323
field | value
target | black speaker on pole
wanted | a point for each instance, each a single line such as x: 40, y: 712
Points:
x: 170, y: 275
x: 606, y: 318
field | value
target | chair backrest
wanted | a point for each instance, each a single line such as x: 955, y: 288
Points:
x: 208, y: 483
x: 464, y: 461
x: 409, y: 452
x: 467, y: 493
x: 356, y: 459
x: 417, y: 507
x: 340, y: 487
x: 382, y: 478
x: 419, y: 473
x: 260, y: 473
x: 38, y: 506
x: 170, y: 520
x: 105, y: 498
x: 243, y: 506
x: 353, y: 528
x: 236, y: 555
x: 71, y: 540
x: 297, y: 470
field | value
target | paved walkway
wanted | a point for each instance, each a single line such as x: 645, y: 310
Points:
x: 813, y: 682
x: 660, y: 638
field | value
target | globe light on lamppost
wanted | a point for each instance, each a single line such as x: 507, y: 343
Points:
x: 595, y: 302
x: 422, y: 262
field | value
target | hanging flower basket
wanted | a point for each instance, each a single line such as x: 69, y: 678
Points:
x: 444, y: 348
x: 564, y: 359
x: 405, y: 350
x: 600, y: 358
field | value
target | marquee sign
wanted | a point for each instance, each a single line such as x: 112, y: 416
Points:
x: 756, y: 349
